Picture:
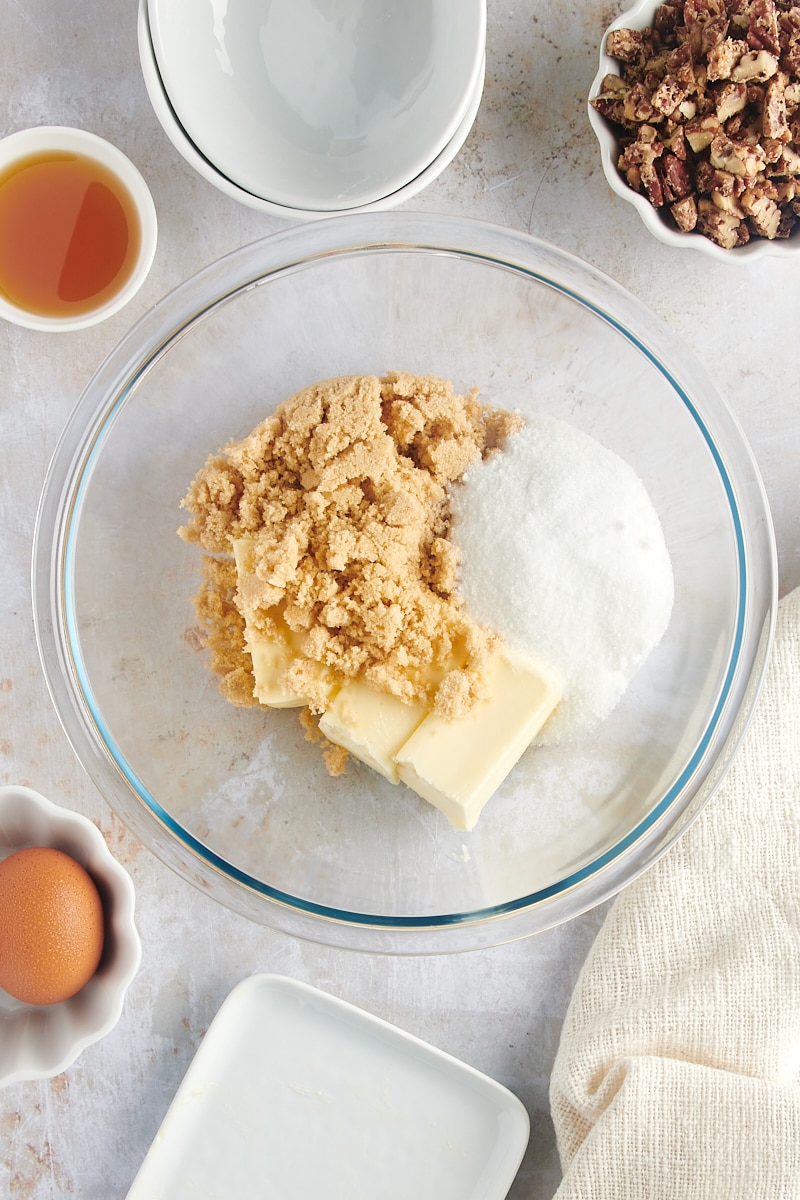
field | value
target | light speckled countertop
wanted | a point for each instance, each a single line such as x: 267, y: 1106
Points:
x: 530, y: 162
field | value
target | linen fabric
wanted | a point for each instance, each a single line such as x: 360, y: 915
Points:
x: 678, y: 1071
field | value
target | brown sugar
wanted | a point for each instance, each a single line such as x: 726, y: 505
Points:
x: 344, y: 494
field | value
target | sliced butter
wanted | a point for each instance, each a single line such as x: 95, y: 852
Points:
x: 271, y: 659
x: 371, y: 725
x: 272, y: 655
x: 458, y: 764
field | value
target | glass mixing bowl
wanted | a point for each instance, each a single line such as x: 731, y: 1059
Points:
x: 235, y: 800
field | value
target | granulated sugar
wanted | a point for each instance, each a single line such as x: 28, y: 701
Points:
x: 563, y: 554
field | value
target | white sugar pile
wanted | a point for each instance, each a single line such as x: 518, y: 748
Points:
x: 563, y: 554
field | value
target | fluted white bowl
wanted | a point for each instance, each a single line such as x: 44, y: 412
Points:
x: 39, y: 1041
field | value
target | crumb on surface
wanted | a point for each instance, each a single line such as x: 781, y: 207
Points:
x: 344, y: 491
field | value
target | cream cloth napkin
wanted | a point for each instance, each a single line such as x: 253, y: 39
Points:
x: 678, y: 1072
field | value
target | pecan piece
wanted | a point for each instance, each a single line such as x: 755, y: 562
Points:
x: 727, y: 204
x: 757, y: 65
x: 787, y: 223
x: 773, y: 114
x: 762, y: 32
x: 790, y: 59
x: 724, y: 57
x: 684, y: 213
x: 764, y: 214
x: 706, y: 23
x: 787, y: 164
x: 668, y: 95
x: 626, y: 45
x: 665, y: 20
x: 737, y: 157
x: 731, y: 99
x: 676, y: 182
x: 701, y: 131
x: 638, y: 105
x: 721, y: 227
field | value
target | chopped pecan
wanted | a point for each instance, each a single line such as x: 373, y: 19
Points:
x: 701, y: 131
x: 762, y: 32
x: 785, y: 190
x: 707, y: 102
x: 773, y: 114
x: 668, y: 95
x: 756, y: 64
x: 764, y: 214
x: 706, y: 23
x: 638, y: 104
x: 645, y: 147
x: 724, y: 57
x: 676, y: 144
x: 684, y: 213
x: 651, y: 182
x: 613, y: 109
x: 790, y: 59
x: 737, y: 157
x: 680, y: 62
x: 665, y: 21
x: 709, y: 180
x: 723, y: 228
x: 786, y: 224
x: 787, y: 164
x: 731, y: 99
x: 676, y: 182
x: 626, y: 45
x: 727, y: 204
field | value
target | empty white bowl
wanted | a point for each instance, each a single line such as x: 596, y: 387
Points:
x: 658, y: 221
x: 319, y: 106
x: 39, y: 1041
x: 186, y: 148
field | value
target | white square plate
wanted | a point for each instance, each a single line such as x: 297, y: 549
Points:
x: 296, y: 1094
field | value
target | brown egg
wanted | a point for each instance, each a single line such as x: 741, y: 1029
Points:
x: 51, y: 925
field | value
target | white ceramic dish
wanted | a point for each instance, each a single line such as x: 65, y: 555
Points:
x: 37, y: 1042
x: 186, y: 148
x: 640, y: 16
x: 294, y: 1093
x: 61, y: 140
x: 314, y: 106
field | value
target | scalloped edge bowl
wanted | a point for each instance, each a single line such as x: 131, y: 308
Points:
x: 640, y: 17
x: 39, y: 1041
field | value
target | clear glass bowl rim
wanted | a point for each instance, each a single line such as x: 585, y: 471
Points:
x: 501, y: 248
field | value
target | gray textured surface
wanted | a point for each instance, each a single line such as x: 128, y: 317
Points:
x: 530, y: 162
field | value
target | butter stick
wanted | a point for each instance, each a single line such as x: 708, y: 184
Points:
x: 273, y: 654
x: 458, y: 764
x: 371, y: 725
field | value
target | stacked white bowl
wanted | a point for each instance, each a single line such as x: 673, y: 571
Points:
x: 313, y: 108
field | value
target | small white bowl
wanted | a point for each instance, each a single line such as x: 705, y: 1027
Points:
x: 58, y: 141
x: 188, y: 151
x: 39, y: 1041
x: 320, y: 107
x: 640, y: 16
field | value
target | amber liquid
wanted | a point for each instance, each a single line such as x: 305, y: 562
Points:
x: 69, y: 234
